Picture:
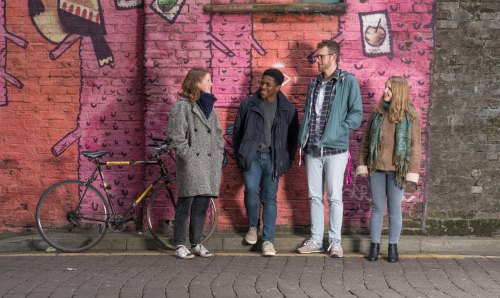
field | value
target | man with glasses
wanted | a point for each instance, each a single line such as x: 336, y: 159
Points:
x: 265, y: 142
x: 332, y: 111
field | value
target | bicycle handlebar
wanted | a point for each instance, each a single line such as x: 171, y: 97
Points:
x: 159, y: 148
x: 156, y: 139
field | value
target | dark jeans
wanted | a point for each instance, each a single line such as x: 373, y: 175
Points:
x: 260, y: 174
x: 197, y: 208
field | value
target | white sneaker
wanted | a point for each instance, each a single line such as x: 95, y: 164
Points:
x: 183, y: 252
x: 251, y: 236
x: 268, y: 249
x: 335, y: 250
x: 310, y: 247
x: 202, y: 251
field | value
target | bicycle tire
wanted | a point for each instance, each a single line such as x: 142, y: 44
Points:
x: 62, y: 225
x: 160, y: 218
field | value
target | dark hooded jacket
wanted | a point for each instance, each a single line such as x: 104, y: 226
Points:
x: 248, y: 128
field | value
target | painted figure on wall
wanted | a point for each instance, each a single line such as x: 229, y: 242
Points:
x: 110, y: 111
x: 4, y: 36
x: 65, y: 21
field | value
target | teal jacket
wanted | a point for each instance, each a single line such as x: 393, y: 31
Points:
x: 345, y: 115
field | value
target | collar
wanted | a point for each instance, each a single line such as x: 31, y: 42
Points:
x: 283, y: 103
x: 335, y: 76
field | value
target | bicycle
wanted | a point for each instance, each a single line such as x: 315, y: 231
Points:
x: 74, y: 216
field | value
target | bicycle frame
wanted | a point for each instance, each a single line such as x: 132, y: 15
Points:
x: 163, y: 176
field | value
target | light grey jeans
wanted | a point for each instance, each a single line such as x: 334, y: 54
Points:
x: 326, y: 171
x: 385, y: 192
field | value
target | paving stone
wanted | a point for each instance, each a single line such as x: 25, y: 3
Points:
x: 246, y: 276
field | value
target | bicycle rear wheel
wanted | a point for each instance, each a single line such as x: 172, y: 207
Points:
x: 161, y: 213
x: 68, y: 223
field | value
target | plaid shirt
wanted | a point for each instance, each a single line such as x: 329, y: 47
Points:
x: 316, y: 132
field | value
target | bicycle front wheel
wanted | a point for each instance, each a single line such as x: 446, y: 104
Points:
x: 161, y: 213
x: 72, y: 217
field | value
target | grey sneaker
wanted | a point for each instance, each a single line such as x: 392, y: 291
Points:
x: 335, y: 250
x: 202, y: 251
x: 268, y: 249
x: 310, y: 247
x: 183, y: 252
x: 251, y: 236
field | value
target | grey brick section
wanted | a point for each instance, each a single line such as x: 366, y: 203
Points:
x: 464, y: 132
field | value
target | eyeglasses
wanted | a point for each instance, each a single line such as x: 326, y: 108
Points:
x: 320, y: 56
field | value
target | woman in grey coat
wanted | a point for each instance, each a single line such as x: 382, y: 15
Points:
x: 194, y: 132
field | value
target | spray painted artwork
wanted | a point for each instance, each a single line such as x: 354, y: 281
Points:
x: 375, y: 31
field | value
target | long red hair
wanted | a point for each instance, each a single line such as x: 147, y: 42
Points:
x: 400, y: 102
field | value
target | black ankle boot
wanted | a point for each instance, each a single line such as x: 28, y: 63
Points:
x: 393, y: 256
x: 374, y: 250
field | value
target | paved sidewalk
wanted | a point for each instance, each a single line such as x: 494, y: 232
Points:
x: 244, y: 275
x: 284, y: 243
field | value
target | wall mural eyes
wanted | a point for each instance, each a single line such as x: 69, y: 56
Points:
x: 168, y: 9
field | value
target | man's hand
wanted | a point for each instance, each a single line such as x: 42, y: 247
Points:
x: 410, y: 187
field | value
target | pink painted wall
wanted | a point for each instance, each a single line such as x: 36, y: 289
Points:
x: 69, y: 102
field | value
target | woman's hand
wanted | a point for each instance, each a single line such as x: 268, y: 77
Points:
x: 362, y: 171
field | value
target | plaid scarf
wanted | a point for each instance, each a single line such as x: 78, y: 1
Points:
x: 402, y: 144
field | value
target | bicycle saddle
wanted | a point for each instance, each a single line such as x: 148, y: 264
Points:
x: 94, y: 154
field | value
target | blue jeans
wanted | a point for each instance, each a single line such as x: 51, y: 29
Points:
x: 260, y: 175
x: 326, y: 171
x: 385, y: 192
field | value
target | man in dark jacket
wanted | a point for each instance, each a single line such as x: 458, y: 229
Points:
x: 265, y: 142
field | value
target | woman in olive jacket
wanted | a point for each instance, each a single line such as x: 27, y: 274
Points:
x: 390, y: 153
x: 194, y: 132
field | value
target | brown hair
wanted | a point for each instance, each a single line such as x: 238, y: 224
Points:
x: 400, y: 102
x: 189, y: 89
x: 333, y: 47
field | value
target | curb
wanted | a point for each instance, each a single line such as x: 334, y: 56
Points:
x: 284, y: 243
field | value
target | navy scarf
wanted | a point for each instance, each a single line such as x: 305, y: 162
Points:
x: 206, y: 103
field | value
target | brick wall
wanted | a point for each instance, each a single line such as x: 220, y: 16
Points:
x: 464, y: 184
x: 67, y: 92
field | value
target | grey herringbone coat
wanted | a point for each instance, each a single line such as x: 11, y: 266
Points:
x: 199, y: 149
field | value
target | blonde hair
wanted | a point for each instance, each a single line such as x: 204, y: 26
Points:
x: 400, y: 102
x: 190, y: 89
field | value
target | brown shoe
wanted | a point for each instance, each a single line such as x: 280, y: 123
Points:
x: 251, y: 236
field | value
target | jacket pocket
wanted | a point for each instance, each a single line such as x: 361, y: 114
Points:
x: 245, y: 154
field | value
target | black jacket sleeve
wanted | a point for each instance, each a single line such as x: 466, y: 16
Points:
x: 238, y: 130
x: 293, y: 135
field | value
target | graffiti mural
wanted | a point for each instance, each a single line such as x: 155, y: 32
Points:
x: 386, y: 40
x: 128, y: 4
x: 66, y: 21
x: 4, y: 37
x: 132, y: 55
x: 375, y: 28
x: 110, y: 112
x: 168, y: 9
